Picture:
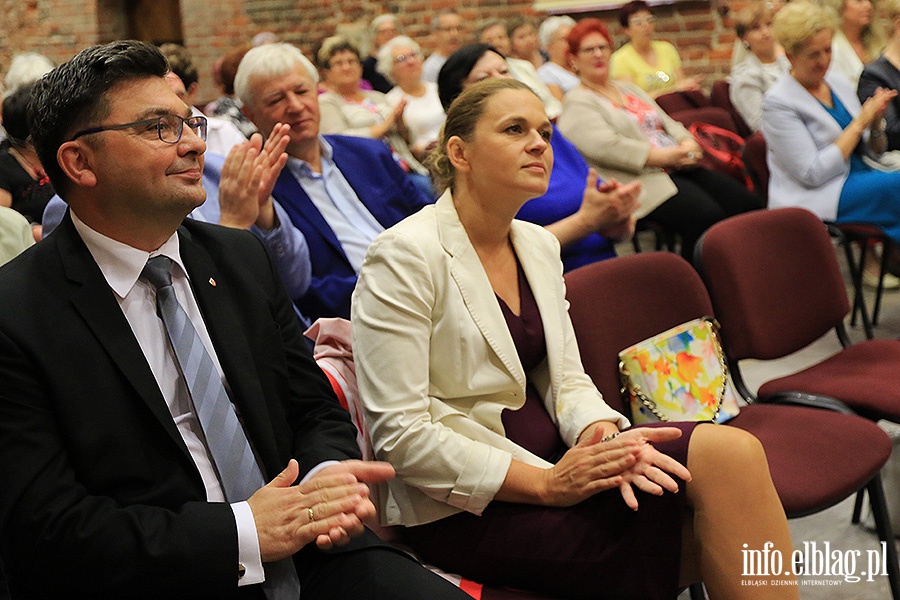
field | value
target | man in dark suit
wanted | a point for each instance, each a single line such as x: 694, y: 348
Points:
x: 113, y: 485
x: 339, y: 191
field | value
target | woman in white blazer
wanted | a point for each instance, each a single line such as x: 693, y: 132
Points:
x: 817, y: 133
x: 510, y: 467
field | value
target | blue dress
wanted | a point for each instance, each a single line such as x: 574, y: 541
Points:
x: 563, y: 198
x: 868, y: 195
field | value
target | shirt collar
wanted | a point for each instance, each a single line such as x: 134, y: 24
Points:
x: 301, y: 168
x: 120, y: 263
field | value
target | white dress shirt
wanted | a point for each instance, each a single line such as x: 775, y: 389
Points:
x: 121, y: 265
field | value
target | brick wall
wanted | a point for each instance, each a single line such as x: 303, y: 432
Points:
x: 59, y: 28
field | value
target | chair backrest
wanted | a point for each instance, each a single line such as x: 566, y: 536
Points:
x: 774, y: 279
x: 707, y: 114
x: 619, y: 302
x: 720, y: 96
x: 682, y: 100
x: 755, y: 159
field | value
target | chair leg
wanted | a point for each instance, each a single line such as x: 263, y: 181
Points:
x: 885, y: 533
x: 857, y: 506
x: 697, y: 592
x: 856, y: 271
x: 885, y: 255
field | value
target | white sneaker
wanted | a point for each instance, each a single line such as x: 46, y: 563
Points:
x: 870, y: 280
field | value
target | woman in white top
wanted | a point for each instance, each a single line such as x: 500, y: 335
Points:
x: 349, y: 110
x: 857, y: 41
x: 763, y: 65
x: 557, y: 72
x: 510, y: 466
x: 400, y: 60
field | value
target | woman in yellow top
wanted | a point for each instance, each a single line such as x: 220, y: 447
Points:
x: 652, y: 65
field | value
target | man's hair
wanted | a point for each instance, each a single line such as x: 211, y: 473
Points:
x: 270, y: 60
x: 181, y: 63
x: 73, y: 96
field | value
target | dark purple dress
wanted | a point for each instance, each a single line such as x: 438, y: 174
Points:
x: 598, y: 548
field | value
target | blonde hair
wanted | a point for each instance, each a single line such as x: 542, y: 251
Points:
x: 871, y: 34
x: 797, y: 22
x: 750, y: 18
x: 462, y: 118
x: 891, y: 9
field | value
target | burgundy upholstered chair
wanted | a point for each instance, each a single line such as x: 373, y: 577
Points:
x: 817, y: 457
x: 683, y: 100
x: 755, y: 159
x: 709, y: 114
x: 777, y: 287
x: 863, y: 236
x: 720, y: 96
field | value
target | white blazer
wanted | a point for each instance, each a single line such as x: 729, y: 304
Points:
x: 437, y: 365
x: 806, y: 168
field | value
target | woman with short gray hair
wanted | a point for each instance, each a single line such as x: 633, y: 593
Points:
x: 400, y: 60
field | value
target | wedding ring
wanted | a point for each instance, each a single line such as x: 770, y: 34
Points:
x: 691, y: 155
x: 309, y: 513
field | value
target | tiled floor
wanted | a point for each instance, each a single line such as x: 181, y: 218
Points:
x: 833, y: 525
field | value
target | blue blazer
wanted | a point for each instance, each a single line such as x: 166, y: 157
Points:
x: 385, y: 190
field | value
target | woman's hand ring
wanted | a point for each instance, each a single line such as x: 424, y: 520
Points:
x: 691, y: 156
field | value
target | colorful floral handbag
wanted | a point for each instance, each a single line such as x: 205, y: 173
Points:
x: 678, y: 375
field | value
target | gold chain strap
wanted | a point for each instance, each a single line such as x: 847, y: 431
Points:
x: 629, y: 387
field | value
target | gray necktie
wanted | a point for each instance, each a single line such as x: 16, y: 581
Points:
x: 234, y: 460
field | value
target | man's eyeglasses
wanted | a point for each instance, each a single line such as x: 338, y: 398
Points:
x: 168, y: 127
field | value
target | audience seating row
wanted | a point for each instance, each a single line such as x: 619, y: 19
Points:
x: 775, y: 284
x: 773, y: 280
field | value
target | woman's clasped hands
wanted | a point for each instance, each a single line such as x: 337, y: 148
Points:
x: 627, y: 461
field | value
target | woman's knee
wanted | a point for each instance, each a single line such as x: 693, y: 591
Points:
x: 726, y: 447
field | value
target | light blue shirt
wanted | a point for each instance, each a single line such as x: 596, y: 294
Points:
x: 348, y: 217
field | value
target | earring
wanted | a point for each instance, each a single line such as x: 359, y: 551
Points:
x: 746, y: 44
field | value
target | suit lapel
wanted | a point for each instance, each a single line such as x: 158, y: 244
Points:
x: 541, y: 270
x: 373, y: 196
x: 296, y: 202
x: 232, y: 348
x: 475, y: 288
x: 95, y: 302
